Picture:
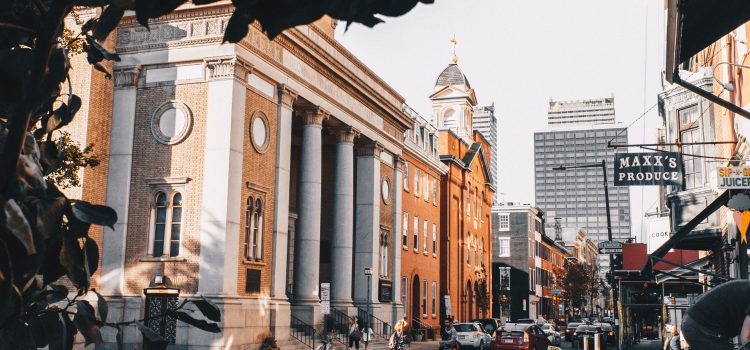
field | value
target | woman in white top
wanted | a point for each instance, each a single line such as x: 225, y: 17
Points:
x: 354, y: 334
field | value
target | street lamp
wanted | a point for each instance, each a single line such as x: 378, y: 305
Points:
x: 603, y: 166
x: 368, y: 273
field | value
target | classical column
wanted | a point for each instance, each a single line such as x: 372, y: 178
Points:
x: 307, y: 247
x: 222, y: 176
x: 368, y: 223
x: 342, y: 241
x: 398, y: 183
x: 281, y: 204
x: 118, y: 181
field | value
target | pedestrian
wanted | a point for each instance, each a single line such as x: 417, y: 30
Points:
x: 674, y: 341
x: 449, y: 335
x: 718, y: 316
x: 367, y: 334
x: 396, y: 341
x: 667, y: 336
x: 355, y: 335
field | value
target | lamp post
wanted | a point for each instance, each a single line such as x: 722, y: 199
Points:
x: 368, y: 273
x: 603, y: 166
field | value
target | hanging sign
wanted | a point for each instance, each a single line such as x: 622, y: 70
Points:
x: 658, y: 232
x: 733, y: 177
x: 648, y: 169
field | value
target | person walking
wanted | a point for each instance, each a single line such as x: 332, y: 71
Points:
x: 718, y: 316
x: 449, y: 335
x: 355, y: 335
x: 674, y: 342
x: 396, y: 341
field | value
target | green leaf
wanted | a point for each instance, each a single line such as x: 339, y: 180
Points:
x: 107, y: 22
x: 71, y: 259
x: 105, y: 54
x: 200, y: 324
x: 45, y: 328
x: 15, y: 222
x: 101, y: 305
x: 69, y: 333
x: 86, y: 323
x: 55, y: 293
x: 49, y: 215
x: 209, y: 309
x: 94, y: 214
x: 237, y: 27
x: 91, y: 251
x: 155, y: 341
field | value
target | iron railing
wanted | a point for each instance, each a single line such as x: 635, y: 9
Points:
x: 338, y: 325
x: 303, y: 332
x: 379, y: 327
x: 419, y: 326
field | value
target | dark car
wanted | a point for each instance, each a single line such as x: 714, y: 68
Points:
x: 520, y: 336
x: 586, y: 331
x: 609, y: 333
x: 569, y: 329
x: 489, y: 324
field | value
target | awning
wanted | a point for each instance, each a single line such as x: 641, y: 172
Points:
x: 695, y: 24
x: 684, y: 273
x: 692, y: 25
x: 685, y: 231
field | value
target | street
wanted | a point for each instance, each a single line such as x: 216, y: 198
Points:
x: 644, y: 345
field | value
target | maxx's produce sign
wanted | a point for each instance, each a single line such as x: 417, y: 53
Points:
x: 648, y: 169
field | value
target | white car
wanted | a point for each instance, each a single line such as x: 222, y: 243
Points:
x: 552, y: 334
x: 472, y: 335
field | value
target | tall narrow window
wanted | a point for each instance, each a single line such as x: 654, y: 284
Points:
x: 434, y: 191
x: 416, y: 181
x: 405, y: 238
x: 405, y: 292
x: 384, y: 254
x: 468, y: 250
x: 426, y: 185
x: 503, y: 222
x: 689, y: 132
x: 424, y: 298
x: 434, y: 297
x: 504, y: 247
x: 254, y: 229
x: 425, y: 230
x: 406, y: 176
x: 434, y: 239
x: 167, y: 227
x: 481, y: 253
x: 416, y: 233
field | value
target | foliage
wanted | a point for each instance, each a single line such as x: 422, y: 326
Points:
x: 575, y: 281
x: 65, y: 172
x: 43, y: 234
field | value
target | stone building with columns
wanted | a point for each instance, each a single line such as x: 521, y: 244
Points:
x: 423, y: 170
x: 245, y: 173
x: 466, y: 193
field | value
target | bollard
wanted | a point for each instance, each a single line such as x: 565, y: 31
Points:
x: 585, y: 343
x: 597, y: 341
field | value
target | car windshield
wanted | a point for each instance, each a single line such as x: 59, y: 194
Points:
x: 605, y: 326
x: 465, y: 327
x: 573, y: 325
x: 515, y: 328
x: 525, y: 320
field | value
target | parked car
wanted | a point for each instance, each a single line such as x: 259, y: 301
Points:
x: 520, y: 336
x: 526, y: 320
x: 570, y: 329
x: 609, y: 333
x: 472, y: 335
x: 490, y: 325
x: 588, y: 331
x: 552, y: 334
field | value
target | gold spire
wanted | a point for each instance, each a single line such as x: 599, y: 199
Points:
x: 454, y: 42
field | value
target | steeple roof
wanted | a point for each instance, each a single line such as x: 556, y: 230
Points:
x: 452, y: 75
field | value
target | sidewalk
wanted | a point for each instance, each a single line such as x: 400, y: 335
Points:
x: 430, y: 344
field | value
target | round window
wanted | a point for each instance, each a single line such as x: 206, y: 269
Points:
x: 385, y: 189
x: 259, y: 132
x: 171, y: 122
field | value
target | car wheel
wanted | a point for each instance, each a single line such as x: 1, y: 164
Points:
x: 481, y: 345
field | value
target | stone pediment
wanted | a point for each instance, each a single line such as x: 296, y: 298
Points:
x: 454, y: 92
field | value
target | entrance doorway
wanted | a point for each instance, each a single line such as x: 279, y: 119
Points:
x: 416, y: 303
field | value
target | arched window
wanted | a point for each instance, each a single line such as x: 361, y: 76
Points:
x: 467, y: 242
x: 476, y: 262
x: 167, y: 223
x: 481, y: 252
x: 475, y: 203
x: 253, y: 245
x: 449, y: 119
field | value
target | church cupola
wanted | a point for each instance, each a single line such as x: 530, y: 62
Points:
x: 453, y: 99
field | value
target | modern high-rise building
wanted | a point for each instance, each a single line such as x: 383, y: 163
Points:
x: 578, y: 133
x: 485, y: 123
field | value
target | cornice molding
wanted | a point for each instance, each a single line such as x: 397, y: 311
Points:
x: 218, y: 68
x: 127, y: 76
x: 287, y: 96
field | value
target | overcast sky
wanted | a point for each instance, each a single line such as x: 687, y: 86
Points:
x: 519, y: 54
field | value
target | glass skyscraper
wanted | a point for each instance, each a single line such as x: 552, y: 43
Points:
x: 577, y: 134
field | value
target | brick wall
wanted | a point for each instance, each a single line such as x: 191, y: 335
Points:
x: 155, y: 160
x: 258, y: 176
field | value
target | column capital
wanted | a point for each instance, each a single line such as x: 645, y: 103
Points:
x: 371, y: 149
x: 345, y: 134
x: 127, y: 76
x: 227, y: 68
x: 313, y: 116
x: 287, y: 96
x: 398, y: 162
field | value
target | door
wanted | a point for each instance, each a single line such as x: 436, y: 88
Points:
x: 416, y: 292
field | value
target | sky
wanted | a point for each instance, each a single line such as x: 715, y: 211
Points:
x: 519, y: 54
